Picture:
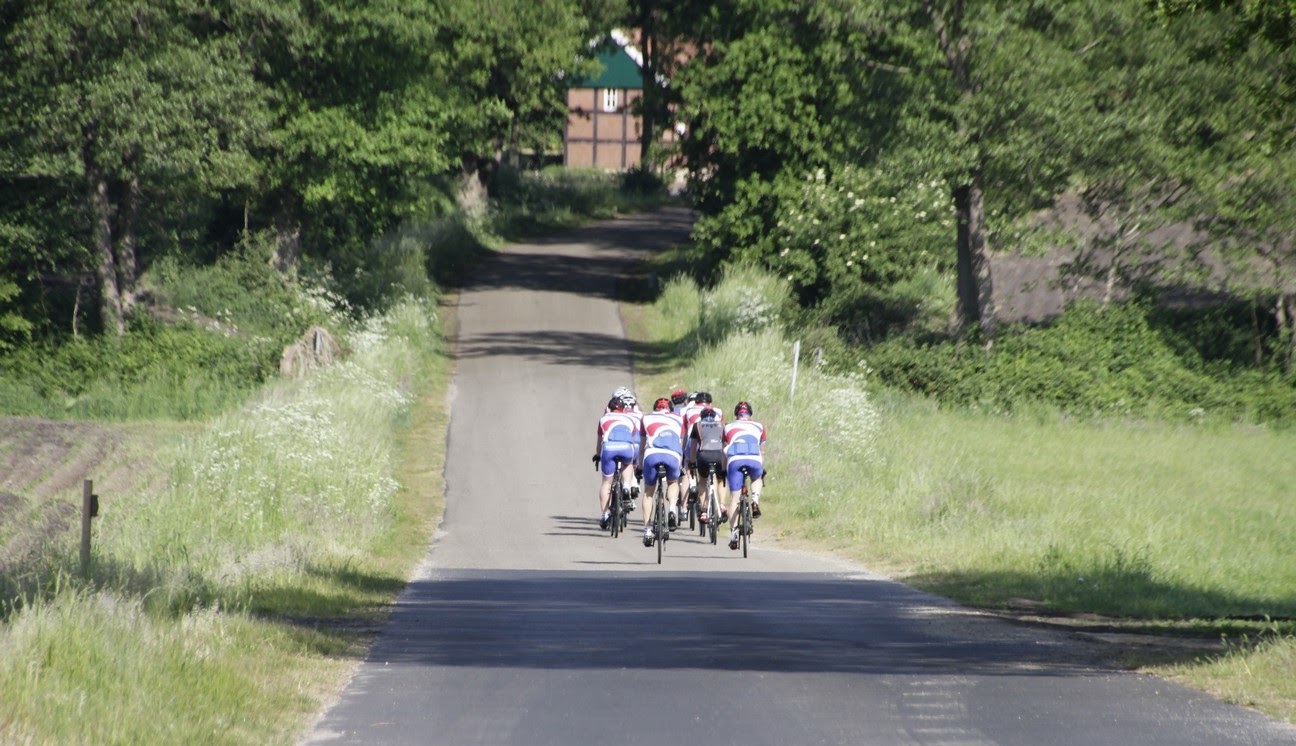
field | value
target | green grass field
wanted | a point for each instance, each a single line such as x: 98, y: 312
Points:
x: 251, y: 579
x: 1179, y: 529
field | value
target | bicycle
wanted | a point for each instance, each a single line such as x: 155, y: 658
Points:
x: 661, y: 524
x: 619, y: 505
x: 712, y: 503
x: 744, y: 524
x: 694, y: 504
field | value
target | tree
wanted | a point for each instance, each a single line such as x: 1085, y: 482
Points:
x: 760, y: 105
x: 117, y: 102
x: 978, y: 96
x: 1237, y: 129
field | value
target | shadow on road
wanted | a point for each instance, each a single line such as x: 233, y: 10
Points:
x: 543, y: 265
x: 741, y: 621
x: 582, y: 349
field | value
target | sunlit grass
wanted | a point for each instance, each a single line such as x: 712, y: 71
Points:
x: 1125, y: 518
x: 1263, y: 676
x: 224, y: 606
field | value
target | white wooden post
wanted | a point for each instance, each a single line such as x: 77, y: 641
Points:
x: 796, y: 358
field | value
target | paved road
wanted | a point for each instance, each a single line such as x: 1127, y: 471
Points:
x: 528, y: 625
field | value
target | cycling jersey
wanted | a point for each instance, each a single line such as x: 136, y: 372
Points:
x: 618, y: 427
x: 619, y: 435
x: 744, y: 438
x: 663, y: 431
x: 663, y: 434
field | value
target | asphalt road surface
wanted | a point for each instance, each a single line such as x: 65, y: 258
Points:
x: 526, y: 624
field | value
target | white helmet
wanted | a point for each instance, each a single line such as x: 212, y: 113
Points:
x: 622, y: 392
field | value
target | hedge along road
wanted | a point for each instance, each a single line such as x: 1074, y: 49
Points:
x: 526, y: 624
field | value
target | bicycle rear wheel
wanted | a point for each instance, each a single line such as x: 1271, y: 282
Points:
x: 713, y: 508
x: 746, y: 522
x: 615, y: 506
x: 662, y: 528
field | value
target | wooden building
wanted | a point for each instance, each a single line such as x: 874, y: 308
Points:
x: 603, y: 130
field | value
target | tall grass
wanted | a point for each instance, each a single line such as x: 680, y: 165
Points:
x: 258, y: 511
x: 1127, y: 518
x: 1123, y: 517
x: 820, y: 432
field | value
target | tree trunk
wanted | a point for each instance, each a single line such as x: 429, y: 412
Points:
x: 470, y: 191
x: 975, y: 284
x: 125, y: 235
x: 287, y: 246
x: 1284, y: 309
x: 976, y: 300
x: 1109, y: 284
x: 649, y: 103
x: 110, y: 304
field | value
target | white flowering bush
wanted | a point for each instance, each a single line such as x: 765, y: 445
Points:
x: 822, y: 435
x: 746, y: 300
x: 303, y: 472
x: 864, y: 224
x: 853, y: 242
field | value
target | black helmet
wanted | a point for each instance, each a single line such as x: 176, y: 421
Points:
x: 704, y: 397
x: 616, y: 404
x: 743, y: 409
x: 709, y: 414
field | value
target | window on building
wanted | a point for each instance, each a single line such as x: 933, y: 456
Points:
x: 611, y: 99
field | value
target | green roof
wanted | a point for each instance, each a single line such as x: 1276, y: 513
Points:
x: 619, y: 69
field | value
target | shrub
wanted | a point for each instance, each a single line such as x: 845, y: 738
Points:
x: 1093, y: 361
x: 746, y: 299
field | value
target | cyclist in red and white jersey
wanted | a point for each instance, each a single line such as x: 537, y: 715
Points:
x: 618, y: 436
x: 663, y: 443
x: 679, y: 399
x: 633, y: 480
x: 744, y: 443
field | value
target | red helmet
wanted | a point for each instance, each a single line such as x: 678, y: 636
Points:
x: 743, y: 409
x: 662, y: 405
x: 709, y: 414
x: 678, y: 396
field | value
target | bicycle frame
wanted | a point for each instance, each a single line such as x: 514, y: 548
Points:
x: 744, y: 510
x: 661, y: 525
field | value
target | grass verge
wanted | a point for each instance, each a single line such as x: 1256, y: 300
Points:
x: 1165, y: 530
x: 229, y: 604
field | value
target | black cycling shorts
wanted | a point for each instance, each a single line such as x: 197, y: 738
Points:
x: 705, y: 458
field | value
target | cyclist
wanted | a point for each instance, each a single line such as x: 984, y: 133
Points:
x: 744, y: 442
x: 663, y: 443
x: 692, y: 408
x: 618, y: 436
x: 706, y: 444
x: 627, y: 396
x: 634, y: 477
x: 678, y: 399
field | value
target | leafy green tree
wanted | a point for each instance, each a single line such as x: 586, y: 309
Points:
x: 116, y: 103
x: 1236, y: 135
x: 380, y: 109
x: 759, y: 102
x: 977, y: 96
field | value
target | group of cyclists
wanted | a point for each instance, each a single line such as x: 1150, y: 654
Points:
x: 687, y: 434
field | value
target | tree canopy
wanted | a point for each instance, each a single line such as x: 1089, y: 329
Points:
x: 856, y: 145
x: 129, y: 130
